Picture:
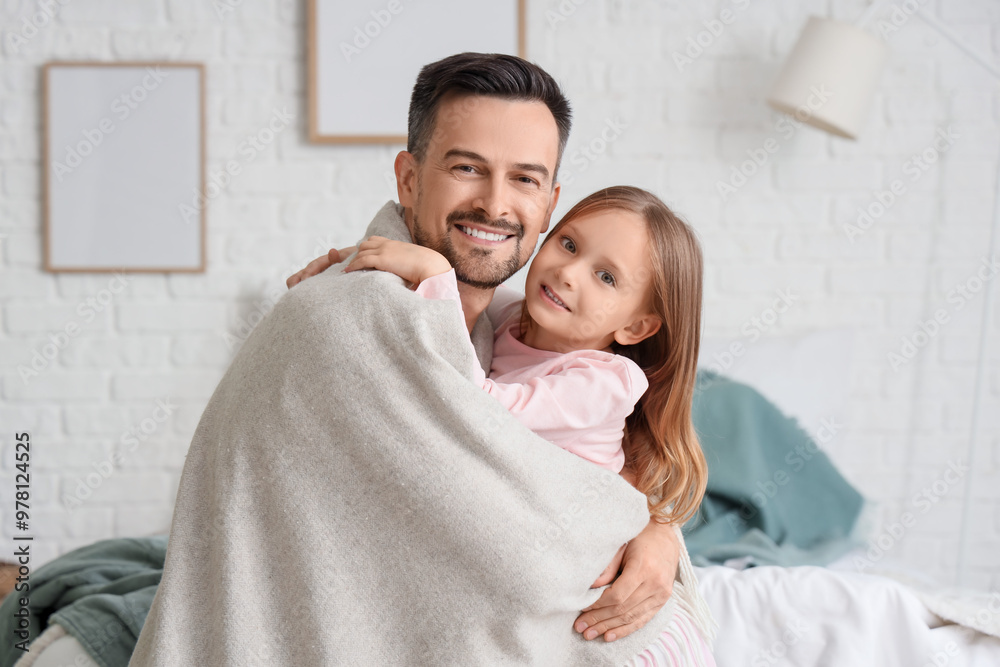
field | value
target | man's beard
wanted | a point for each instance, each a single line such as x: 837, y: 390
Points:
x: 477, y: 268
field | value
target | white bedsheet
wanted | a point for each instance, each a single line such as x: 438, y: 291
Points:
x: 805, y: 616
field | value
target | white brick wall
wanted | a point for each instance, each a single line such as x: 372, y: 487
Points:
x: 164, y: 338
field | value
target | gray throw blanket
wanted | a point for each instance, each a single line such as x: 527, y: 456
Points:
x: 350, y: 497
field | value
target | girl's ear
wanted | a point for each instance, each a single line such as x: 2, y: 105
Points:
x: 639, y: 330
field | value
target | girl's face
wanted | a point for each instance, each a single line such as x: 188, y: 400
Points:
x: 591, y: 284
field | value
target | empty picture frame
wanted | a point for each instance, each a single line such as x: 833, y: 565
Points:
x: 123, y: 166
x: 364, y: 56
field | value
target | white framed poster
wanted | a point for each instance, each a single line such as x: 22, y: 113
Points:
x: 123, y: 166
x: 364, y: 56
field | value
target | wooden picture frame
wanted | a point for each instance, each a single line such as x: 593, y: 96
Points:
x: 369, y: 52
x: 123, y: 167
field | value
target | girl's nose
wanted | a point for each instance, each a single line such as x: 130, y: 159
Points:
x: 566, y: 274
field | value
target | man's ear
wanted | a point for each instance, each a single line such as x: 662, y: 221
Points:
x: 556, y: 189
x: 639, y: 330
x: 406, y: 178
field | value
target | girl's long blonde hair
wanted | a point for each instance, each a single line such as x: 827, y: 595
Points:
x: 661, y: 446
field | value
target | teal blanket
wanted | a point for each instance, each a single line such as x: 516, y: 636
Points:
x: 772, y: 496
x: 99, y: 593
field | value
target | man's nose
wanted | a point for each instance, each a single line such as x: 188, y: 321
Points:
x: 493, y: 199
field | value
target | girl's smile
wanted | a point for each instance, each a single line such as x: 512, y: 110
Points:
x: 551, y: 297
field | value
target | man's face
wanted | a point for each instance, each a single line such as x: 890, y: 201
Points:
x: 484, y: 191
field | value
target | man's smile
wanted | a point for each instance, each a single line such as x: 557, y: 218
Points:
x: 483, y: 236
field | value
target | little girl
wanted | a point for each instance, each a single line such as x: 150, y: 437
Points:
x: 599, y: 356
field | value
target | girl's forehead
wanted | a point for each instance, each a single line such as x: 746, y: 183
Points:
x: 608, y: 221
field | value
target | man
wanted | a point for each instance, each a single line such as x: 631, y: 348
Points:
x: 478, y: 184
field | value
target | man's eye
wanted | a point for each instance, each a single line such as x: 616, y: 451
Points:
x: 568, y: 244
x: 606, y: 278
x: 467, y: 169
x: 528, y: 180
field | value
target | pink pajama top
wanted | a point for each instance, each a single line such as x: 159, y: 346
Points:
x: 578, y: 400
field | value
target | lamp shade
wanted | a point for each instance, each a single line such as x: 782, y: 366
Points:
x: 830, y: 77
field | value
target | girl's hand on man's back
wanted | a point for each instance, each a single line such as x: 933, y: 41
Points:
x: 319, y: 265
x: 409, y: 261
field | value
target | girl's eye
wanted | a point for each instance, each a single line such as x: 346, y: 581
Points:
x: 568, y: 244
x: 606, y: 278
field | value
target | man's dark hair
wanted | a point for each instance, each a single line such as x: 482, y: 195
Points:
x: 489, y: 74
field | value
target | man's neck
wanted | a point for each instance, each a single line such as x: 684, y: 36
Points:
x: 474, y: 302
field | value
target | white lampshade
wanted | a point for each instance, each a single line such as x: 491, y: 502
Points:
x: 830, y: 77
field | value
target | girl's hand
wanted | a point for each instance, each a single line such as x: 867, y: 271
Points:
x: 319, y: 265
x: 649, y: 564
x: 409, y: 261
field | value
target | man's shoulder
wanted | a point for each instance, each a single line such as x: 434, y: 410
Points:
x: 389, y: 222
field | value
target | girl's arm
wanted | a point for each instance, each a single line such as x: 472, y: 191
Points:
x: 409, y: 261
x: 554, y: 407
x: 555, y: 401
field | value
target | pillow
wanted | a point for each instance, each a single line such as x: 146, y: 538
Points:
x: 808, y: 377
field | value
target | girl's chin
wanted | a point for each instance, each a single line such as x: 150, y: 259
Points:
x: 533, y: 309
